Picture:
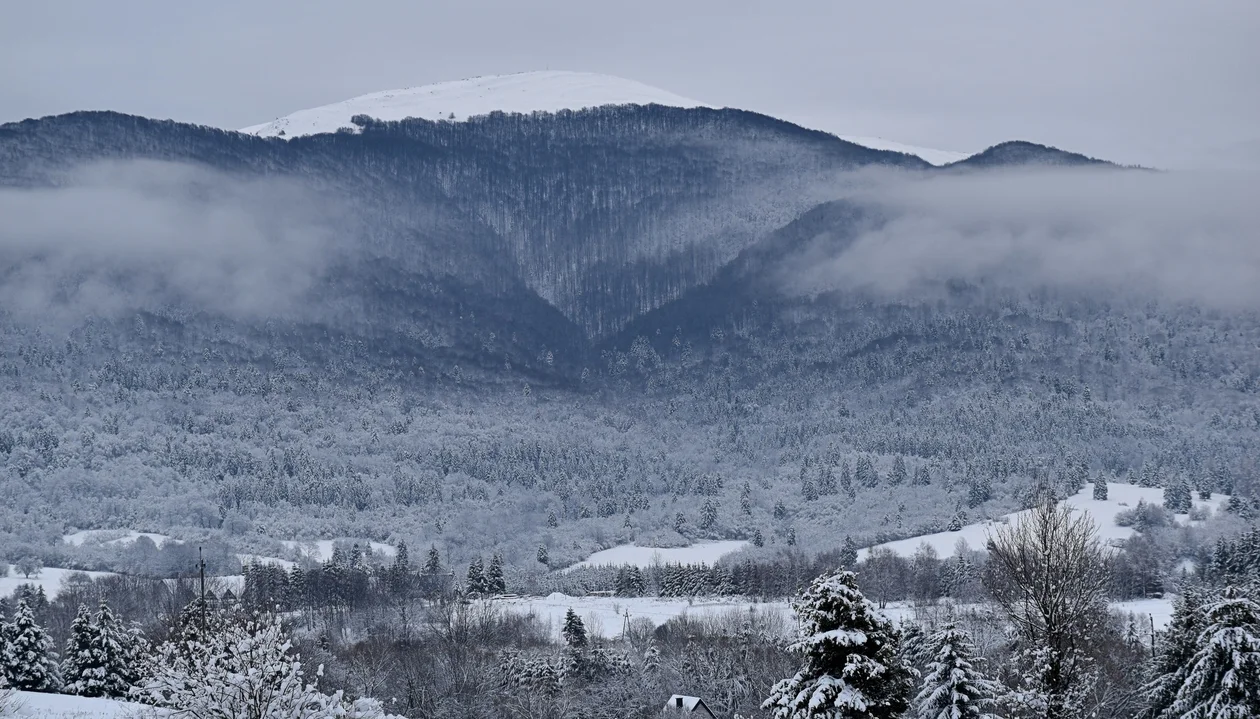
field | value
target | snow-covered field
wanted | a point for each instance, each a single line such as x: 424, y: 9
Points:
x: 524, y: 92
x: 1119, y: 498
x: 606, y: 616
x: 112, y: 536
x: 49, y: 578
x: 698, y: 553
x: 322, y: 550
x: 62, y: 706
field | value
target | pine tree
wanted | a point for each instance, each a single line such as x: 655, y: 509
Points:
x: 827, y: 481
x: 848, y: 553
x: 495, y: 583
x: 32, y: 662
x: 542, y: 557
x: 1100, y: 487
x: 852, y: 665
x: 745, y: 499
x: 1177, y: 498
x: 708, y: 514
x: 1177, y: 647
x: 574, y: 631
x: 433, y: 562
x: 865, y: 474
x: 1223, y: 678
x: 846, y: 480
x: 82, y: 663
x: 898, y: 475
x: 921, y: 477
x: 476, y: 577
x: 953, y: 688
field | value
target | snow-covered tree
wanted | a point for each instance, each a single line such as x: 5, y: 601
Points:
x: 1177, y: 646
x: 31, y: 664
x: 1100, y: 487
x: 476, y: 577
x: 953, y: 687
x: 247, y: 671
x: 1177, y: 497
x: 433, y: 562
x: 495, y: 583
x: 574, y: 630
x: 852, y: 666
x: 80, y: 665
x: 1223, y: 677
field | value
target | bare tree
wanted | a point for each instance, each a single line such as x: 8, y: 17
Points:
x: 1047, y: 571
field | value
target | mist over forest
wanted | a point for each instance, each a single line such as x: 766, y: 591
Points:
x: 523, y: 339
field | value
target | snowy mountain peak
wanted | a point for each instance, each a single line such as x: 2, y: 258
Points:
x: 525, y: 92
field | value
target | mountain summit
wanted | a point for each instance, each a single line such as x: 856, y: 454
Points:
x: 526, y: 92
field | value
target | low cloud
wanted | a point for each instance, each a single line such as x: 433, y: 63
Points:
x: 116, y: 237
x: 1175, y: 236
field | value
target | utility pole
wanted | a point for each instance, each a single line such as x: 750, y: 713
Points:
x: 201, y: 565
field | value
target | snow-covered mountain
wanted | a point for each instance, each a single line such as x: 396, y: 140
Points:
x: 525, y: 92
x: 547, y: 91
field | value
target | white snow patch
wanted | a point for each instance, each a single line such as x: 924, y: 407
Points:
x: 113, y: 537
x: 930, y: 155
x: 322, y: 550
x: 1119, y: 498
x: 64, y: 706
x: 260, y: 559
x: 525, y: 92
x: 698, y: 553
x: 50, y: 578
x: 606, y: 616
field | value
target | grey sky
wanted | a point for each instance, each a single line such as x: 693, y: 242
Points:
x: 1164, y: 82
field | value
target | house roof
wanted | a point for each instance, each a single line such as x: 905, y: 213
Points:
x: 688, y: 703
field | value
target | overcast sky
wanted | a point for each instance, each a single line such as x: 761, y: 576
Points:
x: 1172, y: 83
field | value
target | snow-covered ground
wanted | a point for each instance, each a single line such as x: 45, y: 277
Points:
x: 932, y: 156
x: 1119, y: 498
x: 62, y: 706
x: 698, y: 553
x: 322, y: 550
x: 112, y: 536
x: 524, y: 92
x: 49, y: 578
x: 606, y: 616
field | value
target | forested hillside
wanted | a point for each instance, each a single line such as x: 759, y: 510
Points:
x: 556, y: 331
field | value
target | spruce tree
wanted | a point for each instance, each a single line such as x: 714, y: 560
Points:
x: 495, y: 583
x: 1100, y: 487
x: 433, y: 563
x: 121, y: 649
x: 82, y: 664
x: 542, y: 557
x: 898, y: 475
x: 1177, y: 496
x: 476, y: 577
x: 852, y: 667
x: 32, y: 661
x: 1177, y: 647
x: 574, y: 631
x: 953, y: 688
x: 1223, y: 677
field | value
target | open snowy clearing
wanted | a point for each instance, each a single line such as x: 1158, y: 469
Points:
x: 50, y: 578
x: 118, y: 537
x: 606, y: 616
x: 698, y: 553
x: 322, y: 550
x: 524, y: 92
x: 1119, y: 498
x: 63, y: 706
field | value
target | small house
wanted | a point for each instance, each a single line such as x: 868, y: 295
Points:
x: 680, y: 705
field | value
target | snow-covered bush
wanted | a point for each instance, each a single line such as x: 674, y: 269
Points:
x: 248, y: 671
